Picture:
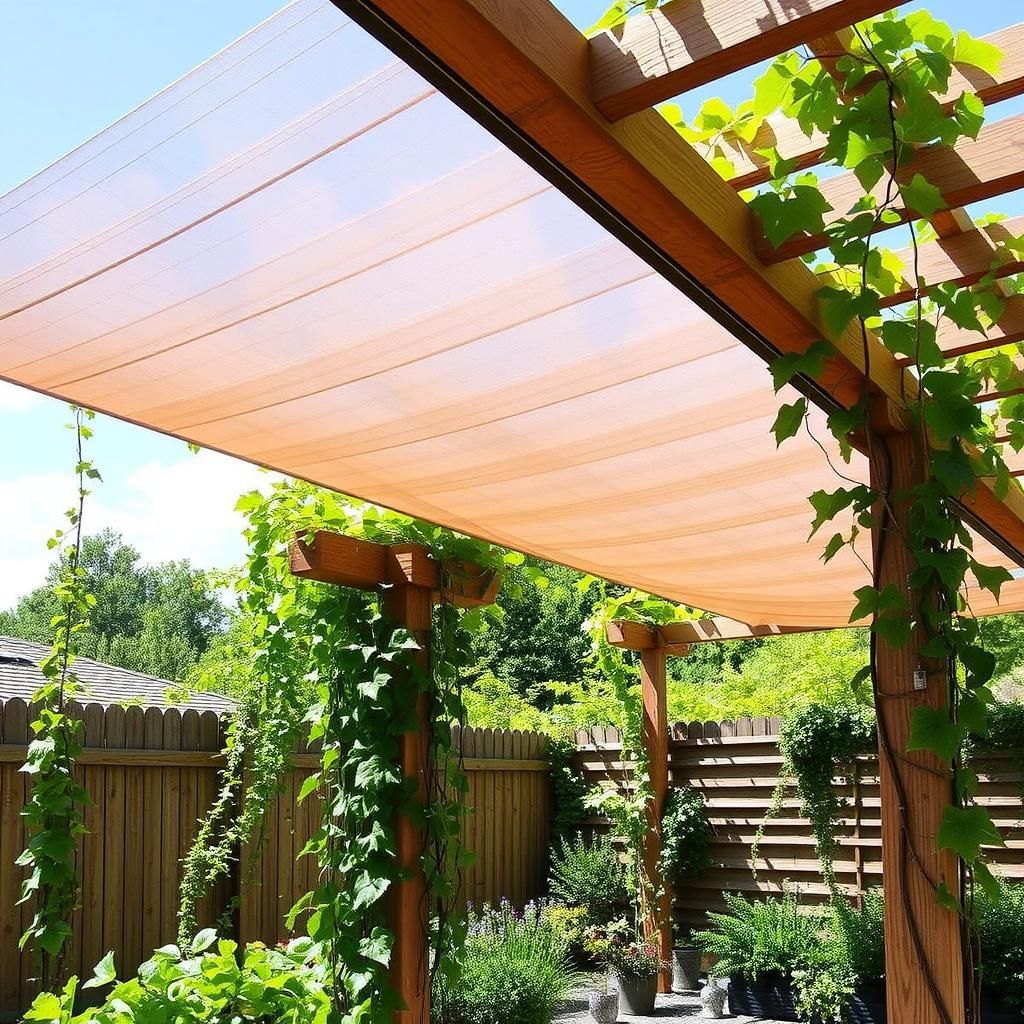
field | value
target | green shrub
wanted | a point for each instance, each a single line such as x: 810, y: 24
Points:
x: 860, y: 934
x: 1000, y: 924
x: 568, y: 923
x: 760, y: 937
x: 589, y: 875
x: 285, y: 985
x: 686, y: 835
x: 516, y: 970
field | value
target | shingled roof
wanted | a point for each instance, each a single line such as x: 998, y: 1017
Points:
x: 101, y: 684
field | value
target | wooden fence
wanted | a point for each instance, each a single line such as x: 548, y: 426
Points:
x: 736, y: 766
x: 151, y: 773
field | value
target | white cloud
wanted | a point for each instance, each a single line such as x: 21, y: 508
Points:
x: 182, y: 509
x: 17, y: 399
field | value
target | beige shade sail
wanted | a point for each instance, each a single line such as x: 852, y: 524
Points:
x: 303, y: 255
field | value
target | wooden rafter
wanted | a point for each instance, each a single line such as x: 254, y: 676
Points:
x: 685, y: 44
x: 970, y: 171
x: 961, y: 258
x: 347, y: 562
x: 956, y: 341
x: 676, y: 637
x: 751, y: 168
x: 531, y: 66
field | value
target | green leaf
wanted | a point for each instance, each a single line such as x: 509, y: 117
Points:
x: 964, y: 830
x: 920, y: 197
x: 809, y: 363
x: 839, y: 307
x: 946, y: 899
x: 977, y: 53
x: 103, y: 973
x: 789, y: 420
x: 206, y: 938
x: 309, y: 786
x: 969, y: 114
x: 833, y: 547
x: 932, y: 730
x: 990, y: 577
x: 782, y: 218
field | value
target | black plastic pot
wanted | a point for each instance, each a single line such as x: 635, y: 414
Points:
x: 767, y: 995
x: 995, y: 1011
x: 867, y: 1005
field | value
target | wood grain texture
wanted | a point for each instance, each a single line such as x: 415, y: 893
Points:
x: 961, y: 258
x: 968, y: 172
x: 683, y: 45
x: 915, y: 787
x: 349, y: 562
x: 411, y: 607
x: 751, y: 167
x: 657, y: 905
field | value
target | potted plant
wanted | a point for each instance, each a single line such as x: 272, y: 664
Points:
x: 635, y: 966
x: 758, y: 945
x: 686, y: 957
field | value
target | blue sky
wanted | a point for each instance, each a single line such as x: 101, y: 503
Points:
x: 67, y: 70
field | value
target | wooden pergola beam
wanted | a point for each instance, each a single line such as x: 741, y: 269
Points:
x: 675, y: 638
x: 751, y: 168
x: 968, y: 172
x: 348, y: 562
x: 956, y: 341
x: 685, y: 44
x: 963, y: 258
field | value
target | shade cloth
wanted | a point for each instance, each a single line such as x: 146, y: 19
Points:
x: 303, y: 255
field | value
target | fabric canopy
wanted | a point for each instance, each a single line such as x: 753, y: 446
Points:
x: 303, y: 255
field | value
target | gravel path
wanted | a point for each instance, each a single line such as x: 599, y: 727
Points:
x: 669, y: 1007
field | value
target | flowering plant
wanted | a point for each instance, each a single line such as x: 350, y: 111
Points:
x: 634, y: 959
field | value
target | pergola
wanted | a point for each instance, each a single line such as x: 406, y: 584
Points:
x: 445, y: 256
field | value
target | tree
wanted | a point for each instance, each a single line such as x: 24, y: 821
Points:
x: 538, y: 634
x: 155, y: 619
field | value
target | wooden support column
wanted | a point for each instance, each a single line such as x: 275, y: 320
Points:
x: 658, y: 910
x: 413, y: 581
x: 410, y: 606
x: 915, y: 787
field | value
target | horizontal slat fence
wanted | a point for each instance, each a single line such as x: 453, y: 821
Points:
x: 735, y: 764
x: 151, y: 773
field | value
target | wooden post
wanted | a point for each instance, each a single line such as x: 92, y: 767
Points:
x: 410, y: 606
x: 657, y: 912
x: 915, y: 787
x: 414, y: 581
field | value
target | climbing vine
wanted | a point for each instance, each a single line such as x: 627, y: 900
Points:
x: 53, y: 812
x: 876, y: 102
x: 819, y: 743
x: 629, y: 807
x: 330, y: 660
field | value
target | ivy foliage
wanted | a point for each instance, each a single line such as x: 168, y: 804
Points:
x: 686, y: 835
x: 819, y: 744
x: 331, y: 663
x: 875, y: 104
x: 53, y: 811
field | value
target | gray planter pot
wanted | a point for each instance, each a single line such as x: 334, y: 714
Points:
x: 637, y: 995
x: 685, y: 969
x: 604, y: 1007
